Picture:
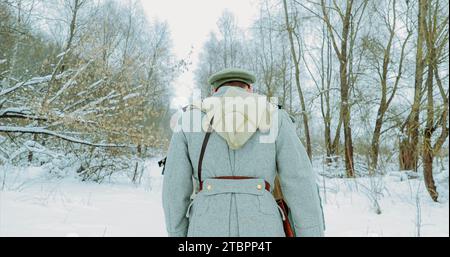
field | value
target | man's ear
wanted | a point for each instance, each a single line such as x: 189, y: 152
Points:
x: 250, y: 89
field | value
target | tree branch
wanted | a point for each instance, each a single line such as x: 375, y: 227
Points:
x: 39, y: 130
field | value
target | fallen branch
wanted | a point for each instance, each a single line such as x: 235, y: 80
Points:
x: 38, y: 130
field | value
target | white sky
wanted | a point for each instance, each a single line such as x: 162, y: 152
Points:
x: 190, y: 22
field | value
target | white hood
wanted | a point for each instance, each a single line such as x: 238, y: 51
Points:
x: 237, y: 114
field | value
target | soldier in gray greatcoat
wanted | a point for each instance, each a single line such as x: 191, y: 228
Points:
x: 223, y: 187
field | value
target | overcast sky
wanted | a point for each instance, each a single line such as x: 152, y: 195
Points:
x: 190, y: 22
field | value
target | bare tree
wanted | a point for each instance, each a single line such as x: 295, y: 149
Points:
x: 409, y: 143
x: 349, y: 20
x: 222, y: 50
x: 320, y: 68
x: 94, y: 97
x: 383, y: 67
x: 436, y: 39
x: 291, y: 31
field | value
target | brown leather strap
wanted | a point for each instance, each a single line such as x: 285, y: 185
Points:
x: 200, y: 162
x: 288, y: 230
x: 202, y: 153
x: 266, y: 186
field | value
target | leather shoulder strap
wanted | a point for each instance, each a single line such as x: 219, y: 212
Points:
x: 202, y: 153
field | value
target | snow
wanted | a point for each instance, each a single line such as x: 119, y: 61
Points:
x: 349, y: 210
x: 62, y: 53
x: 68, y: 207
x: 19, y: 110
x: 132, y: 95
x: 36, y: 204
x: 31, y: 82
x: 82, y: 110
x: 70, y: 82
x: 95, y: 84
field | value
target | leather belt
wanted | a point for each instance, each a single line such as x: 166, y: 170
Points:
x: 200, y: 161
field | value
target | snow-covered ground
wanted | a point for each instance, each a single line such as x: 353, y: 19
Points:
x: 34, y: 204
x: 68, y: 207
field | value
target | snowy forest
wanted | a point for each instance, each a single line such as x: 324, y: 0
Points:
x: 86, y: 86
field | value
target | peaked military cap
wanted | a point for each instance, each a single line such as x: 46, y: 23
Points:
x: 231, y: 74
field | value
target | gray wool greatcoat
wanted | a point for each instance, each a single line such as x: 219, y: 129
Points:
x: 239, y: 207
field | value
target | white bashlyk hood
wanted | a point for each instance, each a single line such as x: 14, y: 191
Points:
x: 237, y: 114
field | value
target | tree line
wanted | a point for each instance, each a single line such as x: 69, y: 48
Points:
x: 366, y: 80
x: 85, y: 83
